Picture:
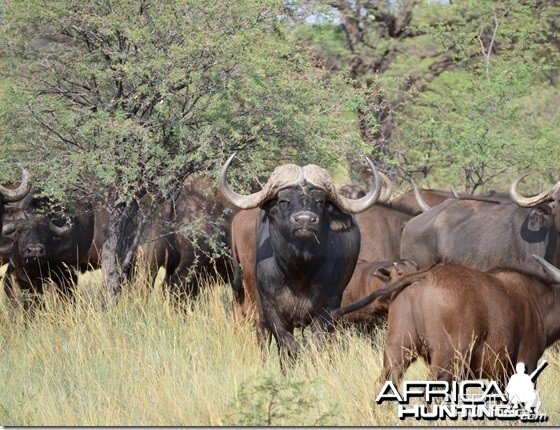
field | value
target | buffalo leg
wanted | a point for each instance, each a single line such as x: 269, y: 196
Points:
x: 319, y: 326
x: 396, y: 359
x: 264, y: 337
x: 264, y: 334
x: 287, y: 348
x: 285, y: 340
x: 401, y: 346
x: 401, y: 349
x: 441, y: 364
x: 65, y: 280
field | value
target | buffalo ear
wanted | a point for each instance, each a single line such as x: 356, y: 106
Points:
x: 539, y: 217
x: 338, y: 220
x: 383, y: 273
x: 407, y: 266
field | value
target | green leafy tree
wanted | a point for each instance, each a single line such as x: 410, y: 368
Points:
x: 448, y: 85
x: 121, y: 102
x: 388, y: 54
x: 484, y: 120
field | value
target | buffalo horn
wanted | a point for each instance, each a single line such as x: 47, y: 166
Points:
x: 527, y: 202
x: 424, y: 207
x: 356, y: 206
x: 388, y: 187
x: 550, y: 269
x: 455, y: 193
x: 61, y: 231
x: 19, y: 192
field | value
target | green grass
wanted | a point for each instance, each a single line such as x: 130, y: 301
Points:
x: 145, y: 363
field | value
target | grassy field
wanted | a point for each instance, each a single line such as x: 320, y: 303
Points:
x: 145, y: 363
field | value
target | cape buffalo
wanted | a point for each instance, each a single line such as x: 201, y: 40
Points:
x: 190, y: 237
x: 307, y: 244
x: 483, y: 234
x: 43, y: 250
x: 243, y: 243
x: 380, y: 227
x: 467, y: 323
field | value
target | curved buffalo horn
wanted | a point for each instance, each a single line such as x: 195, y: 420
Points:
x: 424, y: 207
x: 527, y: 202
x: 550, y: 269
x: 356, y: 206
x: 455, y: 193
x: 241, y: 201
x: 19, y: 192
x: 61, y: 231
x: 388, y: 187
x: 289, y: 175
x: 8, y: 228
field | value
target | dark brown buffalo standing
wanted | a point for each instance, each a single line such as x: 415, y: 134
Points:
x: 190, y: 237
x: 243, y: 250
x: 307, y: 244
x: 466, y: 323
x: 380, y: 228
x: 42, y: 250
x: 482, y: 233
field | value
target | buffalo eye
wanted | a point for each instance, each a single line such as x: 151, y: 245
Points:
x: 285, y: 204
x: 320, y: 203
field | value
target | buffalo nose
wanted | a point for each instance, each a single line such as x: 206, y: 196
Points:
x: 35, y: 251
x: 304, y: 218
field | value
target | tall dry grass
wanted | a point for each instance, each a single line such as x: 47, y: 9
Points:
x: 145, y: 363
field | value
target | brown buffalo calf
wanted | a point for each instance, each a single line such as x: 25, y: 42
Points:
x: 368, y: 277
x: 464, y: 322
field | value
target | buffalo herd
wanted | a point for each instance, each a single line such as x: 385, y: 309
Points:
x: 469, y: 283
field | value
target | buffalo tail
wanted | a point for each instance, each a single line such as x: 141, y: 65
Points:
x: 389, y: 293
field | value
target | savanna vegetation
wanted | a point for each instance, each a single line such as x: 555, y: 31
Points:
x: 144, y: 363
x: 119, y: 102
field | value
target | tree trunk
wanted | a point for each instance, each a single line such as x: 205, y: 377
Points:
x: 119, y: 247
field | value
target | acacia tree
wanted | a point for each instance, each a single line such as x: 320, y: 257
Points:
x: 122, y: 101
x: 488, y: 118
x: 444, y: 69
x: 388, y: 56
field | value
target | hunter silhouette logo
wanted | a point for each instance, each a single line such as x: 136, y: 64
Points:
x: 469, y: 399
x: 521, y: 388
